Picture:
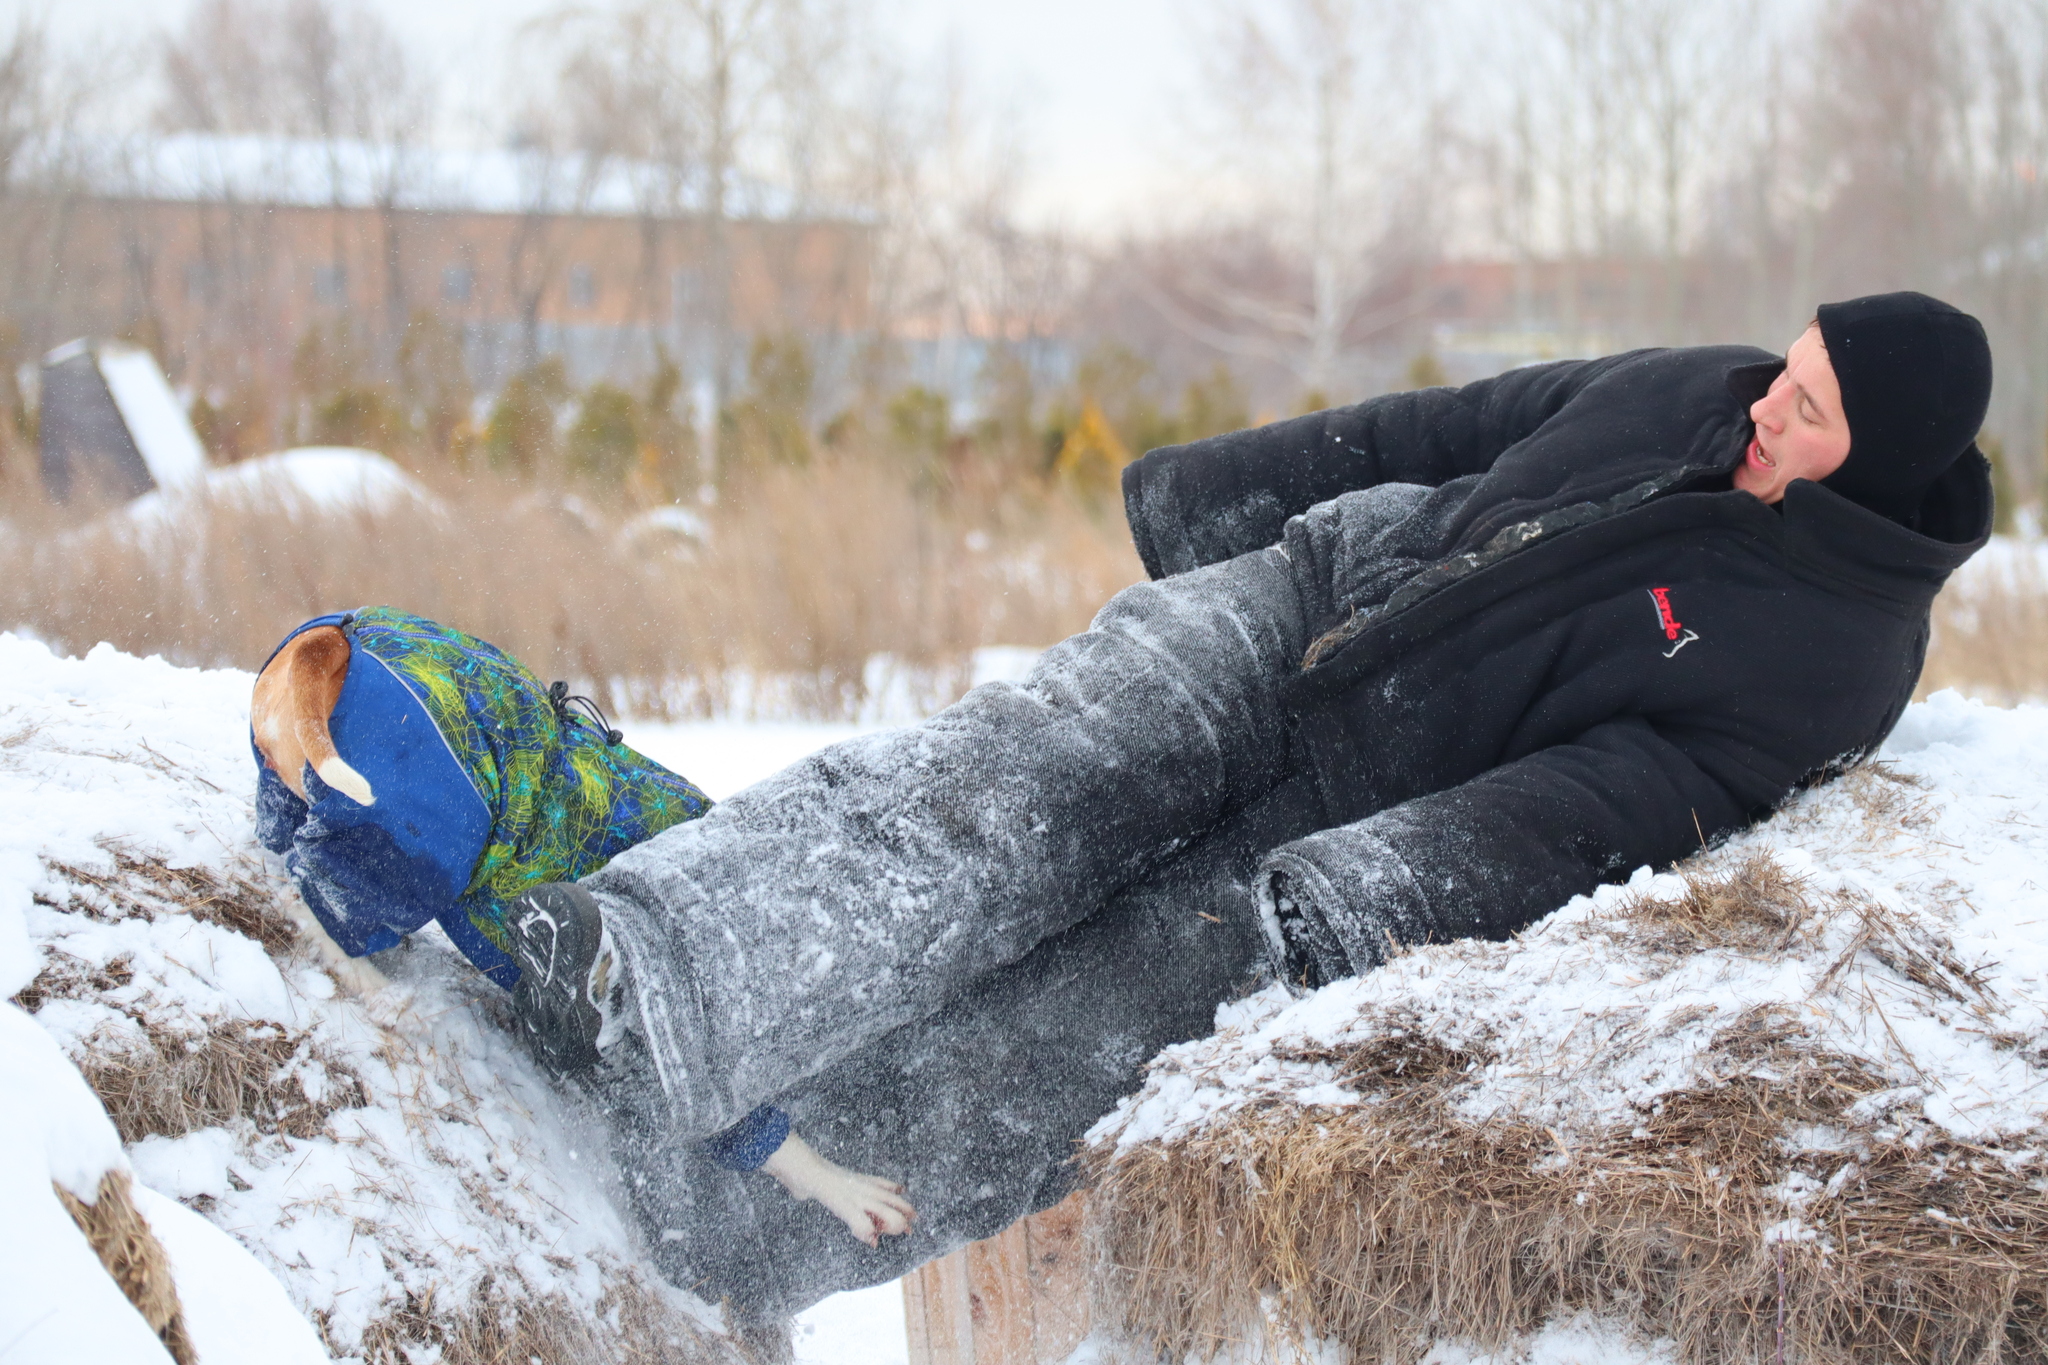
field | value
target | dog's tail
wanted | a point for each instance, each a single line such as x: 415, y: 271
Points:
x: 317, y: 670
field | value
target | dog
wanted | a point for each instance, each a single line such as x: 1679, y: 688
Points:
x: 295, y: 695
x: 289, y: 715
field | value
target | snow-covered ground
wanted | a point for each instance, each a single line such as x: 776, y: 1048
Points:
x: 388, y: 1157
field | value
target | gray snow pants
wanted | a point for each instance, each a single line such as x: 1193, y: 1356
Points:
x: 946, y: 950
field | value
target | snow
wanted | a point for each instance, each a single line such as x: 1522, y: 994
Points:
x: 337, y: 480
x: 723, y: 756
x: 156, y: 421
x: 56, y: 1302
x: 865, y: 1327
x: 893, y: 691
x: 445, y: 1160
x: 110, y: 756
x: 57, y: 1305
x: 672, y: 523
x: 61, y: 1133
x: 351, y: 173
x: 236, y: 1312
x: 1575, y: 1340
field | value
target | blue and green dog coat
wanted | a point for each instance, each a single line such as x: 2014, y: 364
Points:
x: 486, y: 784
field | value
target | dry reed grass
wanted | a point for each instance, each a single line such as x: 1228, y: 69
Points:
x: 141, y: 883
x: 172, y: 1082
x: 1756, y: 906
x: 1394, y: 1223
x: 806, y: 576
x: 122, y: 1239
x: 1991, y: 630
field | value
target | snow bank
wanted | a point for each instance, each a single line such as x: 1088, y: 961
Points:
x: 57, y: 1303
x: 330, y: 480
x: 393, y: 1161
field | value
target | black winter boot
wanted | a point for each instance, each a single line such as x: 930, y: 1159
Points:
x: 567, y: 973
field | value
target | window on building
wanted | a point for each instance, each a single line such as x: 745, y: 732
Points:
x: 330, y: 283
x: 198, y: 282
x: 457, y: 282
x: 688, y: 289
x: 582, y: 287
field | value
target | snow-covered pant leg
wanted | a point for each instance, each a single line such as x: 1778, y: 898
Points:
x: 864, y: 887
x: 976, y: 1107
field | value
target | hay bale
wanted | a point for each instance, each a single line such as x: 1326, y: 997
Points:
x: 1763, y: 1099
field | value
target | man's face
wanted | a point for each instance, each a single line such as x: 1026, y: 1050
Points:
x: 1801, y: 432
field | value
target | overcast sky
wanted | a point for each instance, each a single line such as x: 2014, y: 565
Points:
x: 1090, y: 83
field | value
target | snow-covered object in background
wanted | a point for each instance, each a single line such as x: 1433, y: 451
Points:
x: 250, y: 168
x: 387, y: 1152
x: 674, y: 527
x: 308, y: 481
x: 108, y: 421
x: 154, y: 416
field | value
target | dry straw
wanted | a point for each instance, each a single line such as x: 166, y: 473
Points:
x: 1394, y: 1223
x: 505, y: 1320
x: 122, y: 1239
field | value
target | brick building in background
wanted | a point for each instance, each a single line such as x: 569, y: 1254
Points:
x: 224, y: 253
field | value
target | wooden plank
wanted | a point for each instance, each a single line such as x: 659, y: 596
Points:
x: 1057, y: 1264
x: 999, y: 1298
x: 935, y: 1306
x: 1018, y: 1298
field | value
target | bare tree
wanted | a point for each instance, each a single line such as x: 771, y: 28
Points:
x: 320, y: 69
x: 1323, y: 113
x: 331, y: 80
x: 698, y: 89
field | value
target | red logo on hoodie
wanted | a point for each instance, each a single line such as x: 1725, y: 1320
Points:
x: 1668, y: 622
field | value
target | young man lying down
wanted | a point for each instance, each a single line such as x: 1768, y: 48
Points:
x: 1416, y: 669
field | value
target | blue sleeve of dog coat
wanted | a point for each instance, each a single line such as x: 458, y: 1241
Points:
x: 280, y: 816
x: 279, y: 812
x: 372, y: 874
x: 367, y: 890
x: 751, y: 1141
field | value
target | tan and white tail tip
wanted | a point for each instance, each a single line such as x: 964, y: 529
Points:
x: 346, y: 780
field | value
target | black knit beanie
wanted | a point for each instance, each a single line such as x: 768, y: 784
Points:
x: 1916, y: 379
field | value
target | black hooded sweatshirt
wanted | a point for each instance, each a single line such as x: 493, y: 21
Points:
x: 1572, y: 649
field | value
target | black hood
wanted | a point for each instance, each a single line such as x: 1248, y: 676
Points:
x: 1956, y: 509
